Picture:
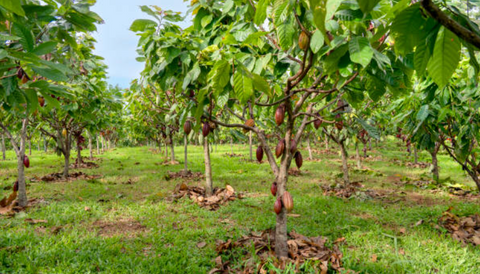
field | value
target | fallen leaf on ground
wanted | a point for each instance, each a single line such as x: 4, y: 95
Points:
x: 32, y: 221
x: 201, y: 244
x: 374, y: 258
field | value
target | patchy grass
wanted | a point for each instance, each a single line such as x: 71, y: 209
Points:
x: 124, y: 221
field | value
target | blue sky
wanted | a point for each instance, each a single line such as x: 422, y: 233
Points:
x: 116, y: 43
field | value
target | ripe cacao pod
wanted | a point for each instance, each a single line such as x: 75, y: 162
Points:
x: 293, y: 146
x: 280, y: 148
x: 260, y: 153
x: 205, y: 129
x: 191, y: 93
x: 273, y: 189
x: 287, y: 201
x: 187, y: 127
x: 250, y: 123
x: 15, y: 186
x: 339, y: 125
x: 41, y: 101
x: 280, y: 115
x: 298, y: 159
x: 317, y: 123
x: 304, y: 41
x: 64, y: 133
x: 24, y: 79
x: 277, y: 207
x: 26, y: 161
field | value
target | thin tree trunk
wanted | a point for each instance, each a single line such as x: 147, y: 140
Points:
x: 38, y: 143
x: 365, y: 150
x: 415, y: 154
x: 435, y: 170
x: 103, y: 144
x: 370, y: 144
x: 22, y: 188
x: 359, y: 160
x: 185, y: 164
x: 281, y: 247
x: 45, y: 144
x: 90, y: 145
x: 166, y: 150
x: 326, y: 142
x: 172, y: 149
x: 310, y: 157
x: 4, y: 149
x: 346, y: 178
x: 98, y: 146
x: 30, y: 147
x: 250, y: 144
x: 208, y: 169
x: 79, y: 154
x: 66, y: 165
x: 231, y: 145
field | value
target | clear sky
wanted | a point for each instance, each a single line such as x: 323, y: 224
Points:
x: 116, y: 43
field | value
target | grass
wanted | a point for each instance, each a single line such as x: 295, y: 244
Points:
x: 84, y: 232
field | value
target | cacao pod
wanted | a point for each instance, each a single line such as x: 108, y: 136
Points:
x: 293, y: 146
x: 273, y: 189
x: 187, y: 127
x: 298, y: 159
x: 339, y: 125
x: 24, y: 79
x: 287, y: 201
x: 191, y: 93
x: 260, y: 154
x: 26, y: 161
x: 280, y: 148
x: 205, y: 129
x: 41, y: 101
x: 280, y: 115
x: 277, y: 207
x: 64, y: 133
x: 304, y: 41
x: 317, y: 123
x: 250, y: 123
x: 15, y: 186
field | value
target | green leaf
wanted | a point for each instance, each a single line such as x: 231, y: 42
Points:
x: 360, y: 50
x: 332, y: 6
x: 261, y: 84
x: 317, y: 41
x: 142, y: 24
x: 45, y: 48
x: 285, y: 33
x: 261, y: 12
x: 26, y: 36
x: 220, y: 75
x: 242, y: 84
x: 423, y: 113
x: 32, y: 100
x: 422, y: 56
x: 14, y: 6
x: 51, y: 74
x: 445, y: 58
x: 371, y: 130
x: 367, y: 5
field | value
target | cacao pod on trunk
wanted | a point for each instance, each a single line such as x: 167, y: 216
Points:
x: 339, y: 125
x: 287, y: 201
x: 187, y: 127
x: 280, y: 148
x: 205, y: 129
x: 260, y: 154
x: 277, y: 207
x: 298, y: 159
x: 293, y: 146
x: 317, y: 123
x: 280, y: 115
x: 26, y: 161
x: 273, y: 189
x: 304, y: 41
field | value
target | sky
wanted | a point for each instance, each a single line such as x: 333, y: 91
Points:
x: 116, y: 43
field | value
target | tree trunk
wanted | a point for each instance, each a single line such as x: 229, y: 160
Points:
x: 310, y: 157
x: 231, y: 145
x: 98, y: 146
x: 359, y: 160
x: 30, y: 147
x: 79, y: 154
x: 185, y: 164
x: 250, y: 144
x: 38, y: 143
x: 67, y: 164
x: 370, y: 144
x: 415, y: 154
x: 45, y: 144
x: 208, y: 169
x: 365, y: 150
x: 281, y: 247
x: 22, y: 187
x: 4, y: 149
x: 326, y: 142
x: 435, y: 170
x: 90, y: 145
x: 346, y: 179
x: 103, y: 144
x: 172, y: 150
x: 166, y: 150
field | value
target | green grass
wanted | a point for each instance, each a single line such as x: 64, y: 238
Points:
x: 172, y: 230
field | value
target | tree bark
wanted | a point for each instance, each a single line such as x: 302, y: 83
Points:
x: 326, y: 142
x: 208, y: 169
x: 185, y: 141
x: 346, y: 178
x: 4, y: 149
x: 435, y: 170
x: 172, y: 149
x: 90, y: 145
x: 357, y: 156
x: 365, y: 150
x: 250, y: 144
x: 20, y: 151
x: 103, y: 144
x: 281, y: 247
x: 45, y: 144
x: 79, y: 154
x: 310, y: 156
x: 98, y: 146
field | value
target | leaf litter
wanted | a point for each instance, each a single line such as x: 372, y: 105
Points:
x: 220, y: 196
x: 463, y: 229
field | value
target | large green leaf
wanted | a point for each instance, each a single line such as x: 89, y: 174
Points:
x: 261, y: 12
x: 220, y: 75
x: 45, y: 48
x: 423, y: 113
x: 422, y: 56
x: 14, y: 6
x: 317, y: 41
x: 51, y: 74
x: 409, y: 28
x: 367, y: 5
x: 371, y: 130
x: 445, y: 58
x: 360, y: 50
x: 26, y: 36
x: 243, y: 85
x: 142, y: 25
x: 332, y: 6
x: 285, y: 33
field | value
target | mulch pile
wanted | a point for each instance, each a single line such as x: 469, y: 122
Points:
x: 184, y: 175
x: 84, y: 164
x: 10, y: 208
x: 301, y: 249
x: 463, y: 229
x: 350, y: 190
x: 421, y: 165
x: 56, y: 177
x: 221, y: 196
